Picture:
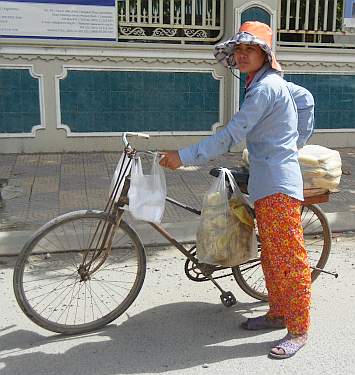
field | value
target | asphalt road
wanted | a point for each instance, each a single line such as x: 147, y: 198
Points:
x: 180, y: 327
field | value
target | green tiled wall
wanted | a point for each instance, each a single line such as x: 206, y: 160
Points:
x: 256, y: 14
x: 334, y: 97
x: 19, y: 101
x: 101, y: 101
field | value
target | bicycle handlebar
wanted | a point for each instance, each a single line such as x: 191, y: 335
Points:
x: 125, y: 134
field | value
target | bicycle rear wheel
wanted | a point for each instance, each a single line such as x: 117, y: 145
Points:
x: 48, y: 285
x: 318, y: 238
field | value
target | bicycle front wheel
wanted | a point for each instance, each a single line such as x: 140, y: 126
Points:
x: 318, y: 239
x: 48, y: 279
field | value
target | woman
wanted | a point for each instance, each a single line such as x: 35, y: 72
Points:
x: 267, y: 120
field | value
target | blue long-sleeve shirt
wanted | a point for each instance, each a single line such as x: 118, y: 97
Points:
x: 268, y: 121
x: 305, y: 110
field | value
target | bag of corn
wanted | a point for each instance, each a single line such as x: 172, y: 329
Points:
x: 226, y: 234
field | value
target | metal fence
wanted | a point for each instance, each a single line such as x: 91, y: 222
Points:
x: 177, y: 21
x: 312, y: 23
x: 306, y: 23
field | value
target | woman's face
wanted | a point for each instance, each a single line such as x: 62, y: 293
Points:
x: 250, y: 58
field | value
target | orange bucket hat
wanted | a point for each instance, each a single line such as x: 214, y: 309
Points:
x: 250, y: 32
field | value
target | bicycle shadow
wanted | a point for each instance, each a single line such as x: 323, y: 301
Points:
x: 164, y: 338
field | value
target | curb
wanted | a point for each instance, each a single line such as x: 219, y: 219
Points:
x: 341, y: 221
x: 11, y: 242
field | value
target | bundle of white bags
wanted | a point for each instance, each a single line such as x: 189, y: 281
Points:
x: 320, y: 166
x: 321, y: 169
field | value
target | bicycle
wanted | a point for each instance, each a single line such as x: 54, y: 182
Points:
x: 83, y: 269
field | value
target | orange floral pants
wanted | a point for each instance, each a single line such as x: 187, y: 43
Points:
x: 284, y: 260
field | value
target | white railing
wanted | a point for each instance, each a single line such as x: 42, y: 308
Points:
x: 179, y: 21
x: 312, y: 23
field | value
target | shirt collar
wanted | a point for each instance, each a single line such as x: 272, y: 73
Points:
x: 249, y: 79
x: 258, y: 75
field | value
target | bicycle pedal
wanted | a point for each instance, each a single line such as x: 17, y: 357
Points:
x: 228, y: 299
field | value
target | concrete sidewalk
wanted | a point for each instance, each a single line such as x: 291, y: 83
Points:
x: 43, y: 186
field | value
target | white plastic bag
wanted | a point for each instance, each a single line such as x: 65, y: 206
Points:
x: 147, y: 193
x: 226, y: 234
x: 319, y: 156
x: 320, y: 167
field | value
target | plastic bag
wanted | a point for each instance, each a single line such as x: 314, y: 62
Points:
x: 147, y: 193
x: 226, y: 234
x: 328, y: 184
x: 320, y: 167
x: 309, y: 172
x: 319, y: 156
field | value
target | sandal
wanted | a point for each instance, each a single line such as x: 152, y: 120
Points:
x: 262, y: 322
x: 289, y: 346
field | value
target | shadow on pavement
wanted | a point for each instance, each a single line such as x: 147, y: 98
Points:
x: 164, y: 338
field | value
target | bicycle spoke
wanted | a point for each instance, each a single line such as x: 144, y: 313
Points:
x: 45, y: 278
x: 110, y: 295
x: 85, y: 305
x: 103, y: 303
x: 66, y: 236
x: 55, y: 282
x: 250, y: 275
x: 51, y: 292
x: 67, y: 306
x: 317, y: 243
x: 108, y: 282
x: 56, y: 297
x: 250, y: 267
x: 93, y: 294
x: 57, y: 286
x: 77, y: 304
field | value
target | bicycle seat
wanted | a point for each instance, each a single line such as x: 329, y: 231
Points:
x: 240, y: 174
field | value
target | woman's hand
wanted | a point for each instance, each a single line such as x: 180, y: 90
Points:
x: 171, y: 160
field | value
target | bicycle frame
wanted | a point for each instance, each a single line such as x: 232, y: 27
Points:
x: 118, y: 212
x: 115, y: 211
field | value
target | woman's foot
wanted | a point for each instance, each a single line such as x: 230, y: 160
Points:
x: 288, y: 346
x: 263, y: 322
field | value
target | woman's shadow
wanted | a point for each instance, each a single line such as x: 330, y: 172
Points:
x: 164, y: 338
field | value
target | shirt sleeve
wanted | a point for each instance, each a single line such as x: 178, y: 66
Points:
x: 305, y: 109
x: 305, y: 126
x: 252, y: 110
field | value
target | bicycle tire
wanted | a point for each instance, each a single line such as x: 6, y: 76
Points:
x: 249, y: 276
x: 51, y: 259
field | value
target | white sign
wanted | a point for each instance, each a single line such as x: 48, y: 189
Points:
x: 63, y: 19
x: 349, y: 14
